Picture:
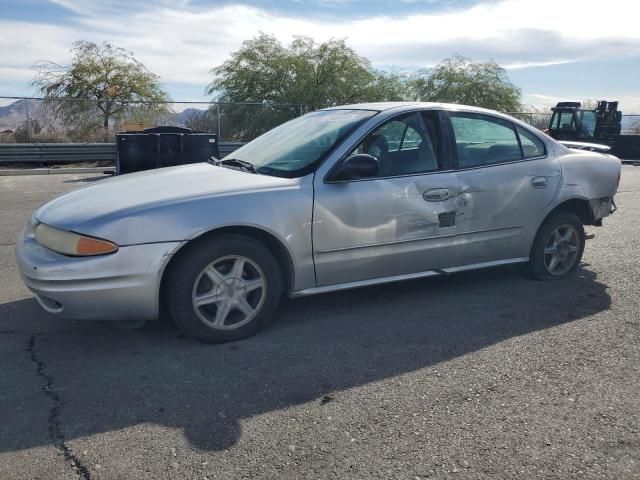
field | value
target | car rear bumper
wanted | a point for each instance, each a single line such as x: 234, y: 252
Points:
x: 601, y: 208
x: 119, y: 286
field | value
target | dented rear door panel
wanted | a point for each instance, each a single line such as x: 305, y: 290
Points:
x: 500, y: 206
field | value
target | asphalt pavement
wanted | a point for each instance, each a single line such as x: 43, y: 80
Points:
x: 478, y: 375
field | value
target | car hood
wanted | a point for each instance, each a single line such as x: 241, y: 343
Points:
x: 138, y: 192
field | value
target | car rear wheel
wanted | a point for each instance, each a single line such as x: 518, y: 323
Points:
x: 558, y: 247
x: 224, y: 288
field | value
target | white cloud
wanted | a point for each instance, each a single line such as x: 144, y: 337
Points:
x: 519, y: 66
x: 181, y: 42
x: 94, y: 8
x: 23, y: 44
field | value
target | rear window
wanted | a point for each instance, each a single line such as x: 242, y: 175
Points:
x: 484, y: 140
x: 532, y: 146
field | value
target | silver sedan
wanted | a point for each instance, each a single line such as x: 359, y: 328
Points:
x: 339, y: 198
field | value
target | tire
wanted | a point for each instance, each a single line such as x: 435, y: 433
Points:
x: 220, y: 276
x: 565, y: 231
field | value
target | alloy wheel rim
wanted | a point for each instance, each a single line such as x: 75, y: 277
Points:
x: 229, y: 292
x: 561, y: 250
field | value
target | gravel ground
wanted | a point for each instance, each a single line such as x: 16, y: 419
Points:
x: 477, y: 375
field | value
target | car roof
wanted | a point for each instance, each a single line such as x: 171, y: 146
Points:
x: 382, y: 106
x: 377, y: 106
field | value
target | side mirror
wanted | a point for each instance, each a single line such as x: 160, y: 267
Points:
x: 357, y: 166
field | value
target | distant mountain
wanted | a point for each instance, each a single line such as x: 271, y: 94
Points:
x: 14, y: 114
x: 187, y: 114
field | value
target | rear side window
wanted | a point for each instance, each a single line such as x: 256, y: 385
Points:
x: 484, y: 140
x: 532, y: 146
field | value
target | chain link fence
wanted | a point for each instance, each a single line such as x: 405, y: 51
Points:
x: 538, y: 120
x: 630, y: 125
x: 35, y: 120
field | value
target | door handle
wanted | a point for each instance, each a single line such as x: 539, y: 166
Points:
x: 539, y: 182
x: 436, y: 195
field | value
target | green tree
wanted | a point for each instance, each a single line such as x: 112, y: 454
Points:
x: 305, y: 72
x: 27, y: 130
x: 201, y: 120
x: 98, y: 85
x: 459, y: 80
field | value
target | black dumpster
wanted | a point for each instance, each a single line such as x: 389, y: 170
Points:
x: 163, y: 147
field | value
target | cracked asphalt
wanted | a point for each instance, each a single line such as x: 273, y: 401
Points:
x: 478, y: 375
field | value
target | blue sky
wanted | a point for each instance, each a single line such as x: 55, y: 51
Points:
x: 552, y: 49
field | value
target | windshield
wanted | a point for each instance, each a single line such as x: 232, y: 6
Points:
x: 293, y: 149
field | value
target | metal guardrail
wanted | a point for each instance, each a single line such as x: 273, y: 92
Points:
x: 73, y: 152
x: 225, y: 148
x: 57, y: 152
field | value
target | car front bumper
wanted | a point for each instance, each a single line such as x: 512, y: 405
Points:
x: 120, y: 286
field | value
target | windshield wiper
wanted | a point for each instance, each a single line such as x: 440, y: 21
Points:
x: 234, y: 162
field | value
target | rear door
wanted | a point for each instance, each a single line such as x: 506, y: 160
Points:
x: 400, y: 222
x: 506, y: 179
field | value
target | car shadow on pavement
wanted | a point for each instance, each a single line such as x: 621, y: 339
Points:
x: 107, y: 379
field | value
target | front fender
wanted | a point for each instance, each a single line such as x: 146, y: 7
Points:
x: 284, y: 213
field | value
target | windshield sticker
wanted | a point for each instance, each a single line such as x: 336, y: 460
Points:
x: 339, y: 118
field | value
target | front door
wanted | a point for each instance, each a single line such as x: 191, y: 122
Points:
x: 400, y: 222
x: 506, y: 180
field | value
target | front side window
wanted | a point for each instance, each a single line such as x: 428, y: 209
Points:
x: 483, y: 140
x: 411, y: 139
x: 292, y: 148
x: 393, y: 133
x: 406, y: 145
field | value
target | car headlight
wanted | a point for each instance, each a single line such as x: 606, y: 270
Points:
x: 33, y: 221
x: 69, y: 243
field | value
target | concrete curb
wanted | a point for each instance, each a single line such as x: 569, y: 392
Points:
x: 55, y: 171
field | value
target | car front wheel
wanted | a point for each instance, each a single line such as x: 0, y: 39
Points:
x: 558, y: 247
x: 224, y: 288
